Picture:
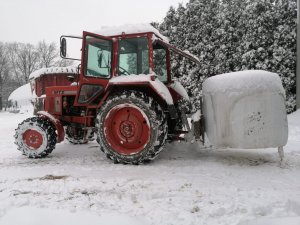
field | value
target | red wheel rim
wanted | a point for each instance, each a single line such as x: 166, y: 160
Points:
x: 32, y: 139
x: 127, y: 129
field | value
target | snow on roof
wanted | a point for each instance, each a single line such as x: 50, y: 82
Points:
x: 252, y: 80
x: 52, y: 70
x: 129, y: 29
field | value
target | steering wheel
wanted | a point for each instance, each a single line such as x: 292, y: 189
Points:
x: 123, y: 71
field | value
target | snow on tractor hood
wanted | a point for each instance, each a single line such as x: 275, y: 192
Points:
x: 52, y: 70
x: 161, y: 89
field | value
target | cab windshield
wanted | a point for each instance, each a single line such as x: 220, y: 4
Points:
x: 133, y: 56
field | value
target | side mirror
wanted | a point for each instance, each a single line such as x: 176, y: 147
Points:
x: 63, y: 47
x: 74, y: 45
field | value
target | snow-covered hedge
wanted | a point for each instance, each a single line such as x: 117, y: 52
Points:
x: 234, y: 35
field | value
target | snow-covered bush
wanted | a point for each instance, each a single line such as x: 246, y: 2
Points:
x: 234, y: 35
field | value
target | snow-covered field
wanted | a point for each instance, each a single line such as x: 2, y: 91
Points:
x: 184, y: 185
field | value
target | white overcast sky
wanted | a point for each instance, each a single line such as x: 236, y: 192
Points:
x: 34, y: 20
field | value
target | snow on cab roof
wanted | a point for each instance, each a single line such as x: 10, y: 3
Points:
x: 129, y: 29
x: 52, y: 70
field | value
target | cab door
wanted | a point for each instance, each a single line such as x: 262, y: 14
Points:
x: 97, y: 63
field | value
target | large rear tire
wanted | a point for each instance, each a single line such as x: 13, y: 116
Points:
x: 35, y: 137
x: 132, y: 128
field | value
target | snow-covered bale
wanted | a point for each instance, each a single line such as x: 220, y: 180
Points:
x: 245, y: 110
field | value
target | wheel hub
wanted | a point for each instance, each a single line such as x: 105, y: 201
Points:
x: 127, y: 130
x: 33, y: 139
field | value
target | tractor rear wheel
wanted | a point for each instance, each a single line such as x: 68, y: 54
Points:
x: 132, y: 128
x: 35, y: 137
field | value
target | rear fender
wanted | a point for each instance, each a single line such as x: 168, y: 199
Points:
x: 151, y: 81
x: 58, y: 125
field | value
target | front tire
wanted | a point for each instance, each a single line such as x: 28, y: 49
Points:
x: 35, y: 137
x: 132, y: 128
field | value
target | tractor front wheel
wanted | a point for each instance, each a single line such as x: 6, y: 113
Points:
x: 35, y: 137
x: 132, y: 128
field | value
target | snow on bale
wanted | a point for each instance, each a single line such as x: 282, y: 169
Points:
x: 245, y: 110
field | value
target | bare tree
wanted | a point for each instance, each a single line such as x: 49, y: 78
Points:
x: 24, y: 60
x: 48, y: 54
x: 27, y: 60
x: 4, y: 69
x: 12, y: 49
x: 64, y: 62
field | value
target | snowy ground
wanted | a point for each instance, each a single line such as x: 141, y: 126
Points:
x: 184, y: 185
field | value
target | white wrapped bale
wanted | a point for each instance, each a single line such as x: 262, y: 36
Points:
x: 245, y: 110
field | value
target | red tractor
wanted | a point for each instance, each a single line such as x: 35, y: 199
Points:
x: 123, y: 94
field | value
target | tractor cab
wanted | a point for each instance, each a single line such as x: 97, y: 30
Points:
x: 106, y: 57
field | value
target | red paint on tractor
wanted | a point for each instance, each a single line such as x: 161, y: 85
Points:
x: 52, y: 80
x: 127, y: 129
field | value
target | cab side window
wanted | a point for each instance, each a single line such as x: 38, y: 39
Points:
x: 160, y: 63
x: 99, y: 54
